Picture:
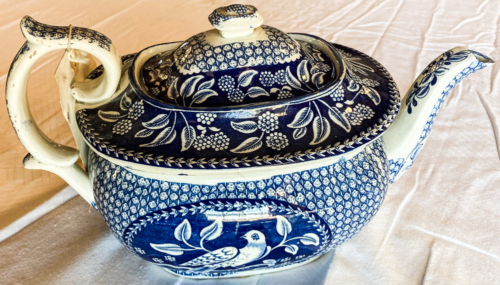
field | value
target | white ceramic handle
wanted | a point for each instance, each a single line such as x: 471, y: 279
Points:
x: 42, y: 39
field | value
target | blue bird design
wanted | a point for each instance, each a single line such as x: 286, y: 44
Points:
x: 230, y: 256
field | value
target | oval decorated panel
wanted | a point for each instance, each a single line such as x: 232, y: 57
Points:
x: 227, y: 236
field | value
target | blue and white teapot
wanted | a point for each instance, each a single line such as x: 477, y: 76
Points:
x: 240, y: 151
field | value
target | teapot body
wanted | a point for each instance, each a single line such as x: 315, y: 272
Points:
x: 246, y: 214
x: 199, y: 226
x: 223, y: 157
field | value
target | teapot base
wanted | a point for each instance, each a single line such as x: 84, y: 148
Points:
x: 245, y: 273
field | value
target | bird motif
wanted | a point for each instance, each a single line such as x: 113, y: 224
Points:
x: 230, y: 256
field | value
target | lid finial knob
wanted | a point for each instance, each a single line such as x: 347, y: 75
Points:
x: 236, y: 21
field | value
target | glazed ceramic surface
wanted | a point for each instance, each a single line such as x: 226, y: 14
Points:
x: 240, y: 151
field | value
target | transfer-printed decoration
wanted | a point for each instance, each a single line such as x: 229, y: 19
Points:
x: 139, y: 132
x: 190, y: 228
x: 436, y: 68
x: 217, y: 77
x: 165, y: 135
x: 45, y: 32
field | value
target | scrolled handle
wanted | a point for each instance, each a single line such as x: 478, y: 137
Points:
x: 40, y: 40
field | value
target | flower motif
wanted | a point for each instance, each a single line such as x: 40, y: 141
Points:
x: 184, y: 197
x: 170, y: 258
x: 122, y: 127
x: 206, y: 118
x: 268, y: 122
x: 322, y: 67
x: 139, y: 250
x: 280, y: 77
x: 369, y: 82
x: 286, y: 259
x: 238, y: 9
x: 267, y: 78
x: 220, y: 141
x: 154, y: 91
x: 300, y: 197
x: 236, y: 96
x: 136, y: 110
x: 226, y: 83
x: 157, y: 260
x: 202, y: 142
x: 277, y: 141
x: 338, y: 94
x: 360, y: 113
x: 353, y: 63
x: 284, y: 94
x: 271, y: 192
x: 309, y: 195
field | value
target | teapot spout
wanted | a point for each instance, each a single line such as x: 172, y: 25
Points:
x: 407, y: 135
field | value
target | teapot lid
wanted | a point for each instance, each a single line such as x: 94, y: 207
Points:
x: 239, y: 62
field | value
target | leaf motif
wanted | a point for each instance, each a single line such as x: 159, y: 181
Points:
x: 299, y: 133
x: 256, y: 92
x: 165, y: 137
x: 188, y: 87
x: 321, y: 130
x: 302, y: 118
x: 188, y: 135
x: 125, y: 103
x: 269, y: 261
x: 314, y: 69
x: 274, y: 90
x: 291, y: 79
x: 317, y: 78
x: 373, y: 94
x: 206, y: 84
x: 459, y: 56
x: 172, y: 92
x: 339, y: 118
x: 292, y: 248
x: 212, y: 231
x: 109, y: 116
x: 310, y: 239
x: 202, y: 95
x: 183, y: 231
x: 422, y: 91
x: 318, y: 56
x: 249, y: 145
x: 153, y: 74
x: 283, y: 226
x: 246, y: 127
x: 302, y: 72
x: 202, y: 129
x: 157, y: 122
x: 144, y: 133
x: 168, y: 248
x: 426, y: 79
x: 245, y: 77
x: 214, y: 129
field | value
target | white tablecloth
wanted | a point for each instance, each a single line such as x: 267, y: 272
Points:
x: 439, y: 224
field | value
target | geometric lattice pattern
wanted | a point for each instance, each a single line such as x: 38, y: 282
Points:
x: 345, y: 194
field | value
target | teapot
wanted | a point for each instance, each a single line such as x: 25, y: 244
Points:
x: 242, y: 150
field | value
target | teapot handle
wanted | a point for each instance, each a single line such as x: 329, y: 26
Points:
x: 40, y: 40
